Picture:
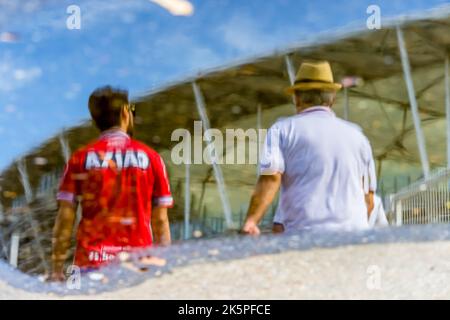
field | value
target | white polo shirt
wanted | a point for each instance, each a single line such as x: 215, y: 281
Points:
x: 327, y: 167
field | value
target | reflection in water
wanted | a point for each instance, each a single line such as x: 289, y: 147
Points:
x: 133, y: 269
x: 47, y: 71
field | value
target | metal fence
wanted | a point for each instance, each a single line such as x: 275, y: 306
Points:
x: 426, y: 201
x: 213, y: 226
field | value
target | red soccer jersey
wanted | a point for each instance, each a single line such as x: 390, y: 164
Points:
x: 119, y: 180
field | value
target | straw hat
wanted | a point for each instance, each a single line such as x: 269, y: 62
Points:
x: 314, y: 76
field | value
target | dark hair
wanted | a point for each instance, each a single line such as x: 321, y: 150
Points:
x: 105, y: 106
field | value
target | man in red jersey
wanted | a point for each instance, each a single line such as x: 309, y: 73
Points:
x: 122, y: 187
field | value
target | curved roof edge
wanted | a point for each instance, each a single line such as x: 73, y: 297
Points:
x: 321, y: 38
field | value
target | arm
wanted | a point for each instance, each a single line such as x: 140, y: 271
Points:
x: 160, y: 226
x: 162, y: 200
x: 62, y: 234
x: 369, y: 180
x: 265, y: 191
x: 370, y: 203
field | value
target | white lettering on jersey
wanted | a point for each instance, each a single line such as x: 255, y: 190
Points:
x: 130, y: 160
x: 143, y: 160
x: 107, y: 159
x: 133, y: 159
x: 92, y: 160
x: 119, y: 161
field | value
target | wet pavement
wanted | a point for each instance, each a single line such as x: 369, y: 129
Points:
x: 131, y: 270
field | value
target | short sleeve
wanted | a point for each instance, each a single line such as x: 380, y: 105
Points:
x: 370, y: 176
x: 162, y: 196
x: 69, y: 185
x: 271, y: 157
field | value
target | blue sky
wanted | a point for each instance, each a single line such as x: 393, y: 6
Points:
x: 47, y: 74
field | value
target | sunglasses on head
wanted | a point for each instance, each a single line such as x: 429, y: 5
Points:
x: 132, y: 107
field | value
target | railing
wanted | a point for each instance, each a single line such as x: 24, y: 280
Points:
x: 33, y: 225
x: 426, y: 201
x: 213, y: 226
x: 48, y: 183
x: 388, y: 185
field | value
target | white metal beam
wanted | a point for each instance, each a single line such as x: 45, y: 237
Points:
x: 346, y: 106
x: 65, y: 148
x: 187, y: 200
x: 258, y: 128
x: 398, y: 213
x: 413, y: 103
x: 218, y: 174
x: 291, y: 73
x: 2, y: 240
x: 290, y: 69
x: 14, y: 249
x: 21, y: 167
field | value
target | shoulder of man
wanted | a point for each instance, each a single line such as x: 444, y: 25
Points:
x: 281, y: 122
x: 79, y: 155
x: 351, y: 125
x: 357, y: 130
x: 91, y: 145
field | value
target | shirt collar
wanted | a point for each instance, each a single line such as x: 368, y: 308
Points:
x: 318, y: 109
x: 114, y: 133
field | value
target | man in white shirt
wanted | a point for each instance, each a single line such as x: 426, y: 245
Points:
x: 323, y: 164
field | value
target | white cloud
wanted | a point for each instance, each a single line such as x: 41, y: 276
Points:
x: 194, y: 55
x: 13, y: 77
x: 10, y: 108
x: 98, y: 11
x: 247, y: 35
x: 30, y: 15
x: 27, y: 74
x: 176, y: 7
x: 243, y: 34
x: 73, y: 91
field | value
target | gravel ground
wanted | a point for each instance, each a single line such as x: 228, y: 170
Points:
x: 341, y: 273
x: 358, y: 267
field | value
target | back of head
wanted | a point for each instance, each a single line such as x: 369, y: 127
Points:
x: 315, y: 97
x: 105, y: 106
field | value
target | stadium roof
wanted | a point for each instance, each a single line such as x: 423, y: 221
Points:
x: 233, y: 93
